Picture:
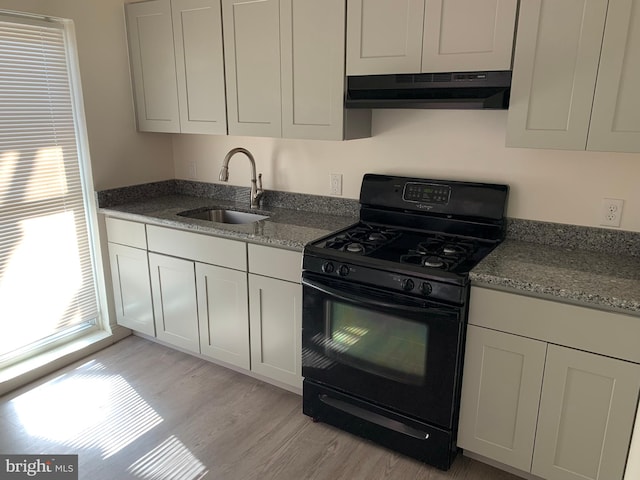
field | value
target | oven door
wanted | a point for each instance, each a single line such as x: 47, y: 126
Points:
x: 394, y: 350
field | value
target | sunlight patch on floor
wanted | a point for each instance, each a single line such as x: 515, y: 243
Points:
x: 90, y: 409
x: 171, y: 459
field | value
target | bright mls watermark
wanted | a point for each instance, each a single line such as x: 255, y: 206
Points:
x: 51, y: 467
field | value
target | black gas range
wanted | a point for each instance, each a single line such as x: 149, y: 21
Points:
x: 385, y: 307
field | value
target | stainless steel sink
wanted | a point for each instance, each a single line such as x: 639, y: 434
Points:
x: 221, y: 215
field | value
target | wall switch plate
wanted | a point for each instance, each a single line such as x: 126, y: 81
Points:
x: 335, y: 183
x: 611, y: 212
x: 192, y: 171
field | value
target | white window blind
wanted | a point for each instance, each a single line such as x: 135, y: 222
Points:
x: 47, y: 281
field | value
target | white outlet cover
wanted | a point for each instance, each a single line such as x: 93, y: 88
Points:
x: 611, y: 212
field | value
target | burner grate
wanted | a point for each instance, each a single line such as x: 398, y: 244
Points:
x: 362, y: 239
x: 439, y: 251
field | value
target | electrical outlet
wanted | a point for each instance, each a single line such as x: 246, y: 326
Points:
x: 335, y: 183
x: 611, y: 212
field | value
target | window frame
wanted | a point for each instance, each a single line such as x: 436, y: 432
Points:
x: 103, y: 326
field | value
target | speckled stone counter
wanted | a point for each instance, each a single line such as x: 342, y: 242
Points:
x: 160, y: 203
x: 587, y: 266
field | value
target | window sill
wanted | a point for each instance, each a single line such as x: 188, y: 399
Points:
x: 15, y: 376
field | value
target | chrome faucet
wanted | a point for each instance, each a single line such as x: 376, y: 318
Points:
x: 256, y: 186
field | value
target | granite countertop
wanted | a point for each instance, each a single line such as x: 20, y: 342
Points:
x: 560, y: 262
x: 584, y: 277
x: 285, y: 227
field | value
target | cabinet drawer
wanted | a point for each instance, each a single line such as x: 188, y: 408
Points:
x: 607, y: 333
x: 125, y: 232
x: 201, y: 248
x: 275, y: 262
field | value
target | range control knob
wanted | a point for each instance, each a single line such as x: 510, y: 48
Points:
x: 425, y: 288
x: 327, y: 267
x: 343, y: 270
x: 407, y: 284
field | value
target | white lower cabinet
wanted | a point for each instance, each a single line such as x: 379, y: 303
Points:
x: 501, y: 394
x: 275, y: 311
x: 223, y: 313
x: 554, y: 411
x: 131, y: 288
x: 234, y: 303
x: 130, y: 275
x: 276, y: 329
x: 586, y: 416
x: 174, y: 299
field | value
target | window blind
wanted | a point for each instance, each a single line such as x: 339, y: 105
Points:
x: 47, y: 280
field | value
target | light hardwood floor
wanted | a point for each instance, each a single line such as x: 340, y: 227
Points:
x: 140, y: 410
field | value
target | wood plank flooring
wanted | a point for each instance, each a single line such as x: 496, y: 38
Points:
x: 138, y: 410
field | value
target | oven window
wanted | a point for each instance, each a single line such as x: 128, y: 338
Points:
x: 381, y: 344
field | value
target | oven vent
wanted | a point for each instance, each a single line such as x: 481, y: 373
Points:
x: 467, y: 90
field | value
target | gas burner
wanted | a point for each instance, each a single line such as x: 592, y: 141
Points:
x: 362, y: 239
x: 435, y: 262
x: 440, y: 245
x: 354, y: 248
x: 447, y: 263
x: 377, y: 237
x: 431, y: 261
x: 451, y: 249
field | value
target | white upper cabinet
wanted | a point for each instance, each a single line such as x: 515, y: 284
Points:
x: 384, y: 36
x: 411, y: 36
x: 197, y: 36
x: 149, y: 27
x: 460, y: 35
x: 285, y: 70
x: 566, y: 53
x: 252, y: 62
x: 176, y: 57
x: 615, y: 120
x: 312, y: 45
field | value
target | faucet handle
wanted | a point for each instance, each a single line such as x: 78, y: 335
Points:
x: 259, y: 182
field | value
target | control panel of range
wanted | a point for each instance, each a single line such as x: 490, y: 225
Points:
x: 426, y: 288
x: 426, y: 193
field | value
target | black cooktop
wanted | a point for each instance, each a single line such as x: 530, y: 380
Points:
x: 430, y: 250
x: 416, y: 236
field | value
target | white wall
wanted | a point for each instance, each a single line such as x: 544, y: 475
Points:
x: 548, y: 185
x: 119, y: 155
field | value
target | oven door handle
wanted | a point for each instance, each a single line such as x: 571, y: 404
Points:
x: 377, y: 303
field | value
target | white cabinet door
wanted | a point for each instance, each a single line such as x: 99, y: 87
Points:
x: 173, y: 285
x: 223, y: 314
x: 252, y: 65
x: 312, y: 36
x: 586, y: 416
x: 554, y: 73
x: 384, y: 36
x: 149, y: 28
x: 275, y: 312
x: 131, y: 288
x: 615, y: 121
x: 500, y: 395
x: 197, y: 35
x: 460, y: 35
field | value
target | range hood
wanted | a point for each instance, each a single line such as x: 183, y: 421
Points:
x: 466, y: 90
